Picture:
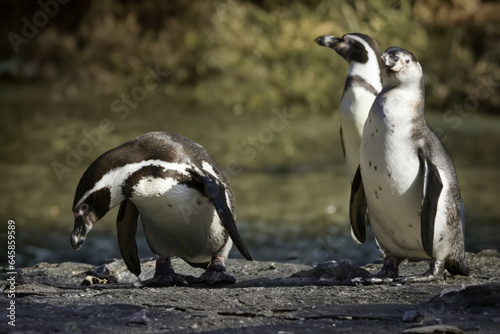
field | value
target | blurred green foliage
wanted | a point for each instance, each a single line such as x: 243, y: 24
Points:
x: 254, y: 55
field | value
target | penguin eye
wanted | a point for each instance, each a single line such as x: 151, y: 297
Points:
x: 84, y: 207
x: 407, y: 61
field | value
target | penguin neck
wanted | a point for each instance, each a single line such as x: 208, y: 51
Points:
x: 403, y: 103
x: 369, y: 71
x: 408, y: 86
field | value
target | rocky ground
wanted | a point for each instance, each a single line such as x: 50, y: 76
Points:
x: 267, y: 298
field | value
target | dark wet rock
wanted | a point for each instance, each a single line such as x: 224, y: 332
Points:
x: 139, y: 318
x: 413, y: 316
x: 434, y: 329
x: 486, y: 295
x: 267, y: 298
x: 342, y: 272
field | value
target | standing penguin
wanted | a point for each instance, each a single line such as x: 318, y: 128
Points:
x: 406, y: 180
x: 362, y: 85
x: 181, y: 196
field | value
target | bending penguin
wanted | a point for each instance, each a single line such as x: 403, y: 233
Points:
x: 406, y: 180
x: 181, y: 196
x: 362, y: 85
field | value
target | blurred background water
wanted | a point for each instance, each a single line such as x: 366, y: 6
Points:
x: 95, y: 74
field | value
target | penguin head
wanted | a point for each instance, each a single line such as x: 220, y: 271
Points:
x: 401, y: 66
x: 88, y: 208
x: 352, y: 47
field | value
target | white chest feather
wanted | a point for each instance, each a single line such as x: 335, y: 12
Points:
x: 393, y: 187
x: 356, y: 103
x: 353, y: 110
x: 178, y: 220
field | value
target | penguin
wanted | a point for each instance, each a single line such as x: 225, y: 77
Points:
x: 406, y: 180
x: 181, y: 196
x: 362, y: 85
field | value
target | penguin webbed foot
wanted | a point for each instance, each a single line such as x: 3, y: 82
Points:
x: 373, y: 280
x: 166, y: 280
x: 214, y: 277
x: 422, y: 278
x: 434, y: 273
x: 376, y: 279
x: 215, y: 274
x: 165, y: 275
x: 388, y: 273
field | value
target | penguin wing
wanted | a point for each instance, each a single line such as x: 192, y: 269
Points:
x: 216, y: 192
x: 357, y: 207
x: 126, y: 226
x: 432, y: 186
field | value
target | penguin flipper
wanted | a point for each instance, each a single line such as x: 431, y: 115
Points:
x: 126, y: 226
x: 432, y: 186
x: 216, y: 192
x: 357, y: 207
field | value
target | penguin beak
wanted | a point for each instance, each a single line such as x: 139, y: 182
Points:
x: 392, y: 61
x: 328, y: 41
x: 79, y: 232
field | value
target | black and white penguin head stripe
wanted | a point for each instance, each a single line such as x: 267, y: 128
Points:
x: 354, y: 47
x: 362, y: 53
x: 95, y: 197
x: 111, y: 184
x: 402, y: 65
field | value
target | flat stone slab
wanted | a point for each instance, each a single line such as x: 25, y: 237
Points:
x: 268, y: 297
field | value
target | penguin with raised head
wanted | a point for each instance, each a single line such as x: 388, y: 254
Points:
x: 184, y: 202
x: 362, y: 85
x: 406, y: 180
